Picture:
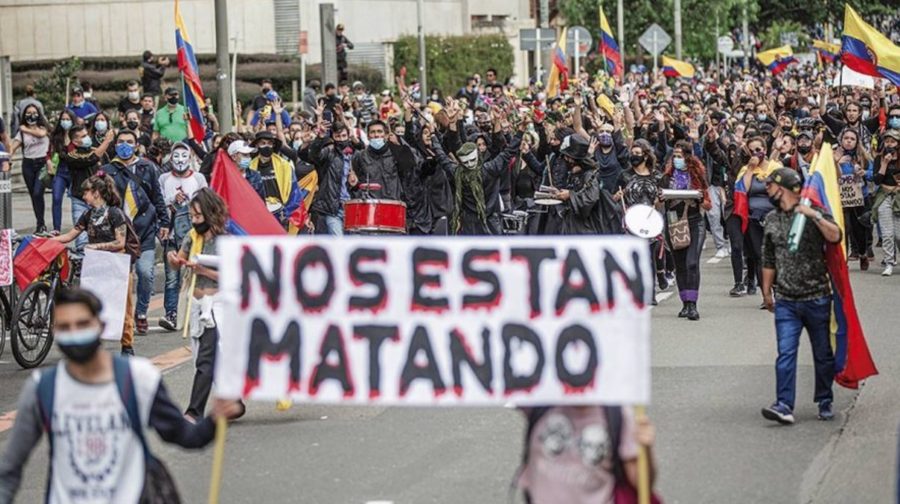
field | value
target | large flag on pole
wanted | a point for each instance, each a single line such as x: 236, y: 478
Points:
x: 852, y: 359
x: 778, y: 59
x: 559, y: 69
x: 187, y: 65
x: 826, y: 52
x: 867, y: 51
x: 609, y: 48
x: 248, y: 214
x: 676, y: 68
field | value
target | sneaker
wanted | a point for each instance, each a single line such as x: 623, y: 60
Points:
x: 739, y: 290
x: 722, y: 253
x: 168, y: 322
x: 662, y: 281
x: 751, y: 290
x: 870, y: 253
x: 864, y: 263
x: 854, y: 256
x: 825, y: 412
x: 127, y: 351
x: 692, y: 313
x: 779, y: 413
x: 888, y: 270
x: 41, y: 230
x: 684, y: 311
x: 141, y: 326
x: 670, y: 277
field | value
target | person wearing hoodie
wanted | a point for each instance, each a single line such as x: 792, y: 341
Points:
x: 179, y: 184
x: 278, y: 177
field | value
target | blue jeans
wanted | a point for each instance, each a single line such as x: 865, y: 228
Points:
x: 790, y: 319
x: 60, y: 183
x: 79, y: 207
x: 173, y: 288
x: 145, y: 274
x: 31, y: 171
x: 335, y: 224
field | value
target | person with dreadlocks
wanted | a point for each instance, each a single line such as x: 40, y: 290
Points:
x: 476, y: 186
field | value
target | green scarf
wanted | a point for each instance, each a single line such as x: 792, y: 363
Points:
x: 472, y: 180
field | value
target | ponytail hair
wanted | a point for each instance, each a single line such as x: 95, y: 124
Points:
x: 105, y: 187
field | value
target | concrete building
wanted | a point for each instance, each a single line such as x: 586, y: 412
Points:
x: 47, y: 29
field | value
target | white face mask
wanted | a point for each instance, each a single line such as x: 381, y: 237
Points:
x: 470, y: 161
x: 181, y: 160
x: 133, y: 95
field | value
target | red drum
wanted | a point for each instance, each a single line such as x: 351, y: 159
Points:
x: 375, y: 217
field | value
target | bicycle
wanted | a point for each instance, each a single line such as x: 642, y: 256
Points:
x: 32, y: 330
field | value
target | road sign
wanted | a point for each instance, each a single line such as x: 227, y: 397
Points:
x: 583, y: 37
x: 529, y: 38
x: 655, y: 39
x: 725, y: 44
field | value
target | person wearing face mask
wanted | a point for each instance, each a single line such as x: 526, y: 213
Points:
x: 612, y: 154
x: 332, y: 159
x: 278, y: 176
x: 137, y: 180
x: 242, y: 154
x: 855, y: 170
x: 684, y: 171
x: 59, y: 143
x: 99, y: 128
x: 379, y: 163
x: 802, y: 285
x: 81, y: 107
x: 893, y: 118
x: 208, y: 215
x: 886, y: 204
x: 802, y: 158
x: 89, y: 384
x: 34, y: 139
x: 179, y: 184
x: 131, y: 101
x: 82, y: 159
x: 171, y: 121
x: 580, y: 198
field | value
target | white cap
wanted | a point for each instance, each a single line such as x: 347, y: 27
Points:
x: 240, y: 146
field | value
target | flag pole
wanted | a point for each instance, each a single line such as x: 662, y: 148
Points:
x: 215, y: 480
x: 643, y: 488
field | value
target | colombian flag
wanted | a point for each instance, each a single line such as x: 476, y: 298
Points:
x: 827, y: 51
x: 778, y: 59
x: 610, y: 49
x: 187, y: 65
x: 559, y: 72
x: 852, y: 359
x: 675, y: 68
x: 248, y: 214
x: 34, y: 255
x: 741, y: 200
x: 865, y: 50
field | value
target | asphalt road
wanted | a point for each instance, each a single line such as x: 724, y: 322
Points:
x: 710, y: 379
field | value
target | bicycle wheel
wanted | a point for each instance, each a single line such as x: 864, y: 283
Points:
x: 32, y: 330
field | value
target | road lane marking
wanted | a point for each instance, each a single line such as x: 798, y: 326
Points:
x: 163, y: 362
x: 662, y: 296
x: 714, y: 260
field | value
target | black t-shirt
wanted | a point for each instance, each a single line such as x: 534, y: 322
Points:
x: 126, y: 105
x: 270, y: 184
x: 101, y: 223
x: 891, y: 176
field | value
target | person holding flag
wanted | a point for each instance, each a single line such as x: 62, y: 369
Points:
x: 194, y: 100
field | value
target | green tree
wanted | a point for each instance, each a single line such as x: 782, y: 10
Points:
x: 51, y: 87
x: 452, y: 59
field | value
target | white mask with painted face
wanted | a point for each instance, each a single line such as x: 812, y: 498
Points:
x: 470, y: 160
x: 181, y: 160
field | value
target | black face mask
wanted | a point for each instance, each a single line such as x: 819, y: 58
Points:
x: 636, y: 160
x: 132, y: 125
x: 201, y: 227
x: 265, y: 151
x: 804, y: 149
x: 172, y: 100
x: 342, y: 145
x: 80, y: 353
x: 890, y: 150
x: 31, y: 119
x: 775, y: 201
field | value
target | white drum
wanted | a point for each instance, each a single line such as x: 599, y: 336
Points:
x: 644, y: 221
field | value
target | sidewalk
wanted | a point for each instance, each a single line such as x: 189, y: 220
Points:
x: 23, y: 216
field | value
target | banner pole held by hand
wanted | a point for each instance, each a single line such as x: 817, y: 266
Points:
x: 215, y: 480
x: 643, y: 489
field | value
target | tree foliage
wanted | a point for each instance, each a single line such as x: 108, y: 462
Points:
x: 452, y: 59
x: 51, y: 87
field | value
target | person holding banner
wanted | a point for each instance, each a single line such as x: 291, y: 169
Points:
x: 96, y: 410
x: 208, y: 217
x: 803, y: 287
x: 855, y: 166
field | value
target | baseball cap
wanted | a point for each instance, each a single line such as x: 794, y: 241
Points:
x: 787, y: 178
x: 240, y: 146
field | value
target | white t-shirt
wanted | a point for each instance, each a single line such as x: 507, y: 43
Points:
x: 97, y: 458
x: 172, y: 185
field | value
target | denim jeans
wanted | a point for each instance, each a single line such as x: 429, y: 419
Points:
x: 31, y: 171
x: 790, y: 319
x: 714, y: 215
x: 60, y: 183
x: 173, y: 288
x: 79, y: 207
x: 145, y: 274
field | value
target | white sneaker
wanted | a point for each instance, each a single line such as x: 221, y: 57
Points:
x: 888, y: 270
x: 722, y: 253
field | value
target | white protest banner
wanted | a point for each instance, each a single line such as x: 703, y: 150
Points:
x: 6, y: 258
x: 438, y: 321
x: 106, y: 275
x: 851, y: 191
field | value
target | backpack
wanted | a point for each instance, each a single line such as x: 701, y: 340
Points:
x: 132, y: 241
x: 159, y: 486
x: 624, y: 492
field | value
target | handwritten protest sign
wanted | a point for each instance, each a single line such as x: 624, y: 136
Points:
x: 851, y: 191
x: 106, y: 275
x: 404, y: 321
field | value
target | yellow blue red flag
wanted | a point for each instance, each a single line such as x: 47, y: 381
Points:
x: 778, y: 59
x: 559, y: 69
x: 865, y: 50
x: 852, y: 359
x: 676, y: 68
x: 194, y: 99
x: 827, y: 51
x: 609, y: 48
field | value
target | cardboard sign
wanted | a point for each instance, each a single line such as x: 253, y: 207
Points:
x: 851, y: 191
x: 106, y: 275
x: 407, y: 321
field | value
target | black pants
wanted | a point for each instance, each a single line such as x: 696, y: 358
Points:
x: 687, y: 261
x: 31, y: 171
x: 856, y: 230
x: 203, y: 376
x: 736, y: 238
x: 753, y: 240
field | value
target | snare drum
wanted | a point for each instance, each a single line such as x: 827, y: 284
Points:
x: 644, y: 221
x: 375, y: 217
